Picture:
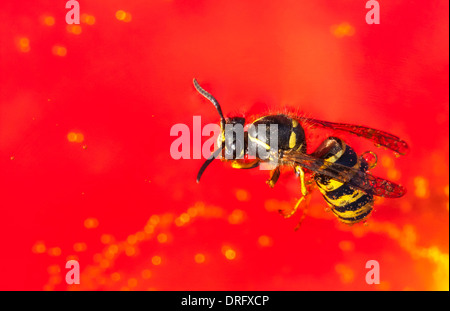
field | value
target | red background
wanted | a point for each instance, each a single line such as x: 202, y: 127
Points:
x: 123, y: 84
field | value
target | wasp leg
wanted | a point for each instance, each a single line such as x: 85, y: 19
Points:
x: 301, y: 174
x: 274, y: 175
x: 305, y: 194
x: 305, y: 201
x: 244, y: 165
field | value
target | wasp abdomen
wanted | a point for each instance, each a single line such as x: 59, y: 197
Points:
x: 350, y: 205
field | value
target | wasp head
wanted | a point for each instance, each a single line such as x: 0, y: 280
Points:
x: 233, y: 140
x: 231, y: 143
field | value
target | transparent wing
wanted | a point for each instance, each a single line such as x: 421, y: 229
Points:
x: 378, y: 137
x: 354, y: 177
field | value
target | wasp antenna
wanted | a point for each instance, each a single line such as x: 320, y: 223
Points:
x: 207, y: 162
x: 212, y: 100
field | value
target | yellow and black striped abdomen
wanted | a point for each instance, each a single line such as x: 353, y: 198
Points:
x: 350, y: 205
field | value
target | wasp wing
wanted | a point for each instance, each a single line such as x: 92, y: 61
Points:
x: 349, y: 175
x: 378, y: 137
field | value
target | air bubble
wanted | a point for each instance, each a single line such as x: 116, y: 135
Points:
x: 371, y: 158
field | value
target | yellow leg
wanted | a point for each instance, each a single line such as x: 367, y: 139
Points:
x: 305, y: 212
x: 301, y: 173
x: 244, y: 165
x: 294, y: 210
x: 305, y: 194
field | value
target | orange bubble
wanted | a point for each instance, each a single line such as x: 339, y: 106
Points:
x: 140, y: 235
x: 242, y: 195
x: 192, y: 211
x: 115, y: 276
x: 162, y: 238
x: 230, y: 254
x: 178, y: 222
x: 156, y: 260
x: 148, y: 229
x: 80, y: 138
x: 24, y: 45
x: 346, y: 245
x: 346, y: 274
x: 74, y: 29
x: 91, y: 223
x: 88, y: 19
x: 72, y: 137
x: 106, y: 238
x: 236, y: 217
x: 422, y: 187
x: 39, y: 248
x: 54, y: 251
x: 130, y: 251
x: 342, y: 30
x: 155, y: 219
x: 109, y: 255
x: 200, y: 206
x: 59, y: 50
x: 113, y: 249
x: 48, y: 20
x: 146, y: 274
x: 185, y: 217
x: 79, y: 247
x: 121, y: 15
x: 131, y: 239
x: 24, y: 42
x: 75, y: 137
x: 127, y: 18
x: 265, y: 241
x: 199, y: 258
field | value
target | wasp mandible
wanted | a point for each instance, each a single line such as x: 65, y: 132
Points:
x: 340, y: 174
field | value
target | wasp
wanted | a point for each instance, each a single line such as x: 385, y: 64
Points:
x: 341, y: 175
